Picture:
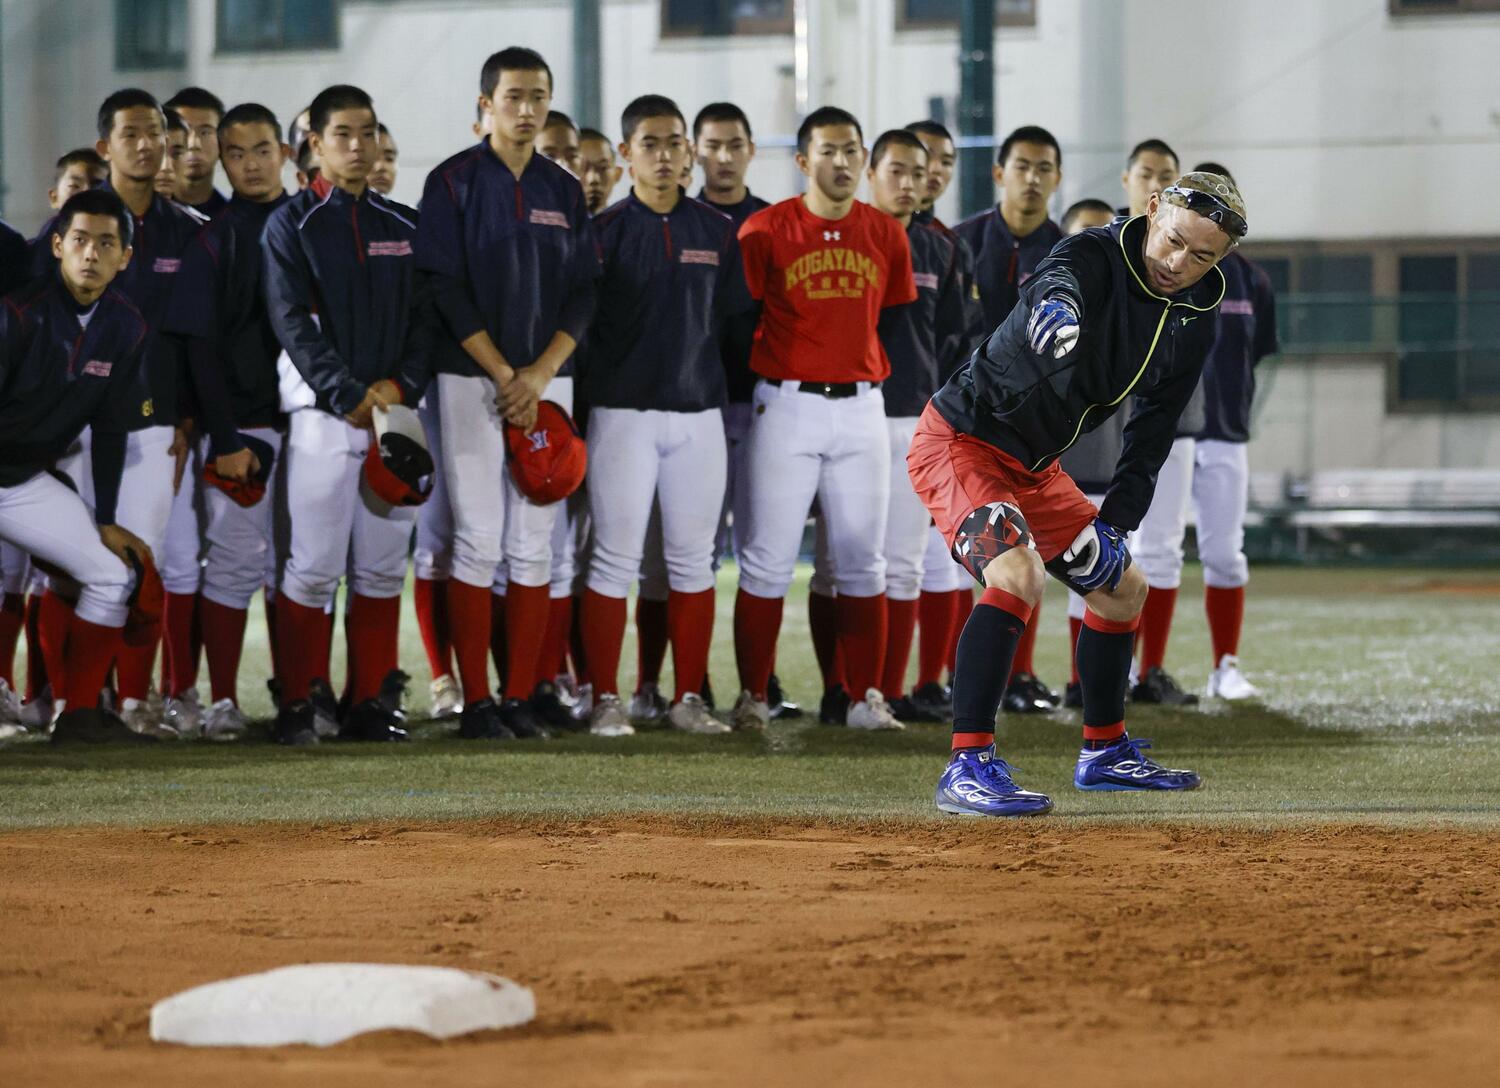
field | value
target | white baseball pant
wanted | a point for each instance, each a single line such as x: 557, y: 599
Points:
x: 1157, y: 544
x: 241, y: 542
x: 144, y: 504
x: 44, y: 518
x: 1221, y: 495
x: 432, y: 558
x: 735, y: 517
x: 181, y: 560
x: 15, y: 569
x: 907, y: 523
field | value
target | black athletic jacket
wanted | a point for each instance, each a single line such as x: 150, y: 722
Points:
x: 738, y: 334
x: 960, y: 346
x: 916, y: 335
x: 1132, y: 341
x: 342, y: 293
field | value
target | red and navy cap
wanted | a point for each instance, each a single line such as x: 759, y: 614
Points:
x: 548, y: 461
x: 398, y: 467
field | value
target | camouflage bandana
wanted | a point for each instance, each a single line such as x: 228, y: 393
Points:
x: 1212, y: 196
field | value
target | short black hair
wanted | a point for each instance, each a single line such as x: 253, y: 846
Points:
x: 128, y: 99
x: 80, y: 156
x: 1029, y: 134
x: 195, y: 98
x: 644, y: 108
x: 1214, y: 168
x: 174, y: 120
x: 382, y: 130
x: 558, y: 119
x: 824, y: 117
x: 591, y: 134
x: 249, y: 113
x: 931, y: 128
x: 95, y: 202
x: 295, y: 132
x: 1160, y: 147
x: 341, y: 96
x: 516, y: 58
x: 897, y: 137
x: 721, y: 111
x: 305, y: 159
x: 1077, y: 208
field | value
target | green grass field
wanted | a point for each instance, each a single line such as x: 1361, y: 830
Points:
x: 1383, y: 702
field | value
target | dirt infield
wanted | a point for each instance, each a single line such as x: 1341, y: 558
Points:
x: 737, y: 953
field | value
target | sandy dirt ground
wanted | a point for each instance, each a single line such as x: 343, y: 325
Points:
x: 681, y: 953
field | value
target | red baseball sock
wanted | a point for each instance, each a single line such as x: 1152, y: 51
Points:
x: 268, y: 603
x: 178, y: 665
x: 1075, y: 625
x: 133, y: 663
x: 1226, y: 614
x: 934, y: 620
x: 575, y: 642
x: 757, y: 625
x: 962, y: 603
x: 901, y: 624
x: 1027, y: 646
x: 36, y: 665
x: 603, y: 634
x: 374, y: 624
x: 499, y: 640
x: 54, y: 615
x: 1156, y: 627
x: 223, y: 641
x: 303, y: 635
x: 525, y: 626
x: 690, y: 619
x: 91, y: 649
x: 431, y: 599
x: 651, y: 633
x: 555, y: 646
x: 470, y: 615
x: 862, y: 638
x: 823, y: 622
x: 12, y: 619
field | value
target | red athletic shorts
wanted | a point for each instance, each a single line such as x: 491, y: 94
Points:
x: 955, y: 474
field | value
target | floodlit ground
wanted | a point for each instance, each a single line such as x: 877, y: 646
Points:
x: 790, y: 908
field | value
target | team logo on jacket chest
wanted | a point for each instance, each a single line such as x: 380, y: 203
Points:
x: 98, y: 368
x: 390, y: 249
x: 700, y: 256
x: 928, y: 280
x: 544, y: 217
x: 833, y: 272
x: 166, y: 265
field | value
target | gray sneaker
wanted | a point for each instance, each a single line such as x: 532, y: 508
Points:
x: 224, y: 721
x: 184, y: 714
x: 692, y: 716
x: 608, y: 718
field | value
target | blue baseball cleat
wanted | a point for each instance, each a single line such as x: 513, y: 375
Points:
x: 976, y: 783
x: 1125, y: 766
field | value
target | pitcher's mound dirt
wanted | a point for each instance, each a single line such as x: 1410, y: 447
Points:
x: 685, y: 953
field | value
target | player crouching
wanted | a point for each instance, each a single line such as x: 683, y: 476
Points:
x: 1113, y: 311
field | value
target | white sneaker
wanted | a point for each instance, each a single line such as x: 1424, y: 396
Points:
x: 872, y: 712
x: 39, y: 713
x: 567, y: 690
x: 224, y: 721
x: 750, y: 713
x: 692, y: 716
x: 447, y: 700
x: 648, y: 704
x: 583, y: 703
x: 10, y: 705
x: 1227, y: 682
x: 137, y: 714
x: 183, y: 714
x: 608, y: 718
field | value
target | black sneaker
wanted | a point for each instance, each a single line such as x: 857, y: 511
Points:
x: 481, y: 721
x: 522, y: 721
x: 834, y: 706
x: 94, y: 725
x: 295, y: 725
x: 904, y: 710
x: 1157, y: 686
x: 932, y: 698
x: 546, y: 705
x: 781, y: 708
x: 273, y: 685
x: 371, y: 720
x: 1025, y: 694
x: 325, y: 707
x: 393, y: 694
x: 1073, y: 695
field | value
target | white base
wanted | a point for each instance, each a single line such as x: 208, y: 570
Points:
x: 321, y: 1004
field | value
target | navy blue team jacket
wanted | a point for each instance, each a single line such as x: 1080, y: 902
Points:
x: 961, y: 346
x: 161, y: 237
x: 738, y: 335
x: 1246, y: 334
x: 348, y: 261
x: 219, y: 308
x: 917, y: 335
x: 15, y: 259
x: 56, y: 377
x: 512, y: 256
x: 668, y: 284
x: 1002, y: 262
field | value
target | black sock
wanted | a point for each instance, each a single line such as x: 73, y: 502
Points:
x: 986, y: 647
x: 1104, y: 652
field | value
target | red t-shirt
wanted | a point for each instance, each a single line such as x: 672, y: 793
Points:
x: 823, y: 283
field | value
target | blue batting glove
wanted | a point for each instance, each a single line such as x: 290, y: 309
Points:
x: 1096, y: 558
x: 1053, y: 329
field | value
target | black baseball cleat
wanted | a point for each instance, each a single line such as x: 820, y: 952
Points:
x: 295, y: 725
x: 273, y: 685
x: 1158, y: 687
x: 545, y: 705
x: 522, y: 721
x: 93, y: 725
x: 1073, y: 695
x: 1025, y: 694
x: 904, y: 710
x: 781, y: 707
x: 833, y: 708
x: 481, y: 721
x: 393, y: 694
x: 371, y: 720
x: 932, y: 698
x: 325, y: 707
x: 707, y: 692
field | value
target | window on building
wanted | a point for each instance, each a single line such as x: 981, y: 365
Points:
x: 920, y: 14
x: 1482, y: 333
x: 720, y: 18
x: 1427, y: 363
x: 150, y: 34
x: 1336, y: 289
x: 1442, y: 7
x: 260, y: 26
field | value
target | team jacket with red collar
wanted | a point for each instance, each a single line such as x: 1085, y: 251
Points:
x: 915, y: 336
x: 669, y: 283
x: 511, y: 256
x: 64, y: 368
x: 1003, y: 262
x: 1132, y: 342
x: 343, y: 296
